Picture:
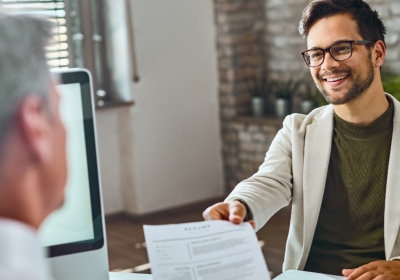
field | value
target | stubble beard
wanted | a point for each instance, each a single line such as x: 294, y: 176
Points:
x: 358, y: 87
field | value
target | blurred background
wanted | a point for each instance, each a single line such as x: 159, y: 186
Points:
x: 189, y: 94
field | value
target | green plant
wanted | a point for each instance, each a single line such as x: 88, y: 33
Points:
x: 391, y: 84
x: 259, y: 85
x: 312, y: 93
x: 285, y: 88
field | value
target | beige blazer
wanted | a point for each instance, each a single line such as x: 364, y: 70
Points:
x: 295, y: 170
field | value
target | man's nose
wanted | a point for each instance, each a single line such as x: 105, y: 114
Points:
x: 329, y: 61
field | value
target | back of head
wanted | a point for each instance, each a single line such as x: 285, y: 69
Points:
x: 369, y: 24
x: 23, y: 67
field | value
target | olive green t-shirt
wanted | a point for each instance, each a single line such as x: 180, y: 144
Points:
x: 349, y: 231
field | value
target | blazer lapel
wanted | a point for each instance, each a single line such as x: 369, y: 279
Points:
x: 392, y: 205
x: 317, y: 152
x: 316, y: 162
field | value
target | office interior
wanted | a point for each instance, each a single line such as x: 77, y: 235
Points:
x: 173, y: 83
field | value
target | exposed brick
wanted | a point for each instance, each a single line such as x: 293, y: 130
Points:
x: 251, y: 33
x: 231, y: 161
x: 244, y: 136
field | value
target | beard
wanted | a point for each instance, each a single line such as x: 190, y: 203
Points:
x: 359, y: 85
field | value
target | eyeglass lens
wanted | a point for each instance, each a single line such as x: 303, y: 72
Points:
x: 339, y: 51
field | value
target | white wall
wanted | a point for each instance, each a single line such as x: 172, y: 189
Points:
x: 165, y: 151
x: 116, y: 158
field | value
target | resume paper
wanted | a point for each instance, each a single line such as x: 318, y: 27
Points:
x: 205, y: 250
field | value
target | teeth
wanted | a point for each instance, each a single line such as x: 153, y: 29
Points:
x: 336, y: 79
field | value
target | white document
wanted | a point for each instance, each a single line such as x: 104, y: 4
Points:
x: 304, y: 275
x: 205, y: 250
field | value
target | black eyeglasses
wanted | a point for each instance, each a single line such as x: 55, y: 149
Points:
x: 339, y: 51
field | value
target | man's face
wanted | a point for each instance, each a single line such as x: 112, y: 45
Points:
x: 340, y: 81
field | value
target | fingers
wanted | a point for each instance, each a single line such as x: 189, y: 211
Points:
x: 355, y: 273
x: 237, y: 212
x: 253, y: 224
x: 376, y: 270
x: 218, y: 211
x: 347, y: 272
x: 233, y: 211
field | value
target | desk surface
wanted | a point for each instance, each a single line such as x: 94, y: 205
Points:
x: 303, y: 275
x: 288, y: 275
x: 129, y: 276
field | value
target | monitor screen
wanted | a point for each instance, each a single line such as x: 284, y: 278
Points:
x: 77, y: 225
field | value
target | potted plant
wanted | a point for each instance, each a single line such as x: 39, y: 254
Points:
x: 258, y: 86
x: 283, y: 95
x: 391, y: 84
x: 311, y: 98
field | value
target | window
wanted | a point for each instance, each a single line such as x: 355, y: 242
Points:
x: 78, y: 40
x: 55, y: 10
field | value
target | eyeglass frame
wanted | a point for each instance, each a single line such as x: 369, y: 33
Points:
x: 328, y: 50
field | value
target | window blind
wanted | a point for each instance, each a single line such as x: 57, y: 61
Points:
x: 58, y: 50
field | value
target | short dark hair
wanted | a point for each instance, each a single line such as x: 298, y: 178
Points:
x: 369, y: 24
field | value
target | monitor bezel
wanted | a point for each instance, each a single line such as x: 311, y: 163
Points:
x: 82, y: 76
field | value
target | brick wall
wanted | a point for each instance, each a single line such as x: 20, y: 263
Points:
x: 240, y: 42
x: 252, y: 34
x: 389, y: 11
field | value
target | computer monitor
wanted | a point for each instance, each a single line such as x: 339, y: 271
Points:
x: 74, y: 235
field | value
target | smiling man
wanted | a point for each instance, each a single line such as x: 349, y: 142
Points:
x: 337, y: 166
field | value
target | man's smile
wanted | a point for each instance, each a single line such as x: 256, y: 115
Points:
x: 335, y: 79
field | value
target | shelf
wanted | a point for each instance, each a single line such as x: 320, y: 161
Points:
x: 268, y: 121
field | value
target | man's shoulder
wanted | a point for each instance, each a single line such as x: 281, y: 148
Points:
x: 21, y: 247
x: 395, y: 101
x: 300, y: 122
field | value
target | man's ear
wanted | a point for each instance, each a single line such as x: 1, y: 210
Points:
x: 379, y: 53
x: 33, y: 124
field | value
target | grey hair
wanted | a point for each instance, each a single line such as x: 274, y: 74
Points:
x: 23, y: 64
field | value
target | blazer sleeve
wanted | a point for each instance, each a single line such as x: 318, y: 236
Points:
x: 270, y: 188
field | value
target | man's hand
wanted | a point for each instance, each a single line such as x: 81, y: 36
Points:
x: 233, y: 211
x: 377, y: 270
